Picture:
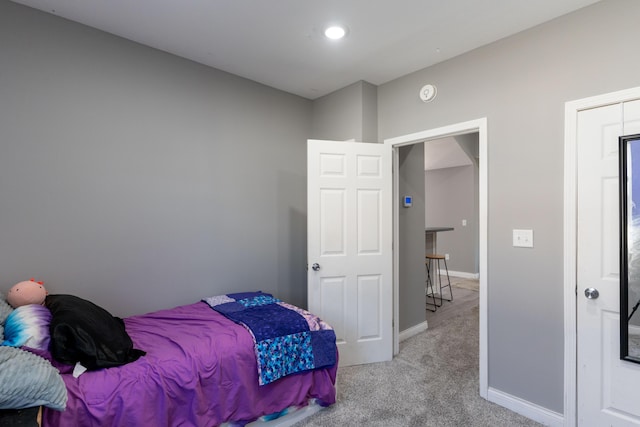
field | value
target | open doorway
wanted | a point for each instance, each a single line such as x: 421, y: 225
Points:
x: 451, y: 175
x: 475, y: 126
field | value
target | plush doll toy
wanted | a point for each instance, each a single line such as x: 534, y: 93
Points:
x: 27, y: 292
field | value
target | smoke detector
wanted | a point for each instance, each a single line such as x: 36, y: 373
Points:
x: 428, y: 93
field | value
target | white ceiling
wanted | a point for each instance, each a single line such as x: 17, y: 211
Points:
x: 444, y: 153
x: 279, y: 42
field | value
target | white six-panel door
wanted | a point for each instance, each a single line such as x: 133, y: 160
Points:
x: 607, y: 388
x: 349, y: 246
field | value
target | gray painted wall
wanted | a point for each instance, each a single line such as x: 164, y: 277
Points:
x: 349, y: 113
x: 412, y: 270
x: 470, y: 144
x: 140, y: 180
x: 449, y: 198
x: 521, y: 85
x: 369, y: 112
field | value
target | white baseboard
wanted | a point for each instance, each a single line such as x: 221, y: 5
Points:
x: 463, y: 274
x: 414, y: 330
x: 527, y: 409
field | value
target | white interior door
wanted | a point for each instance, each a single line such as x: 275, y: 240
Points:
x: 607, y: 386
x: 349, y: 246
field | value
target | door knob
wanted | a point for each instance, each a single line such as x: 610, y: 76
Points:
x: 591, y: 293
x: 315, y: 266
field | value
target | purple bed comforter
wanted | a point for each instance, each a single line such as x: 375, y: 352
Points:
x: 200, y: 370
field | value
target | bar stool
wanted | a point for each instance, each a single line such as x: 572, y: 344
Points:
x: 431, y: 260
x: 432, y: 294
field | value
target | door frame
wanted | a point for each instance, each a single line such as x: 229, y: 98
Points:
x: 473, y: 126
x: 572, y: 108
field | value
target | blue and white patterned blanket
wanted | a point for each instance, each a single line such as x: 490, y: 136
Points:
x: 287, y: 338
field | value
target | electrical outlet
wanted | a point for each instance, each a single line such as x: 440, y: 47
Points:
x: 446, y: 256
x: 523, y: 238
x: 464, y: 222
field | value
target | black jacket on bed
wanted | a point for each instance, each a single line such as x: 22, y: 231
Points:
x: 83, y: 332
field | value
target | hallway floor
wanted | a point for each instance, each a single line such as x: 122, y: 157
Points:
x: 465, y: 296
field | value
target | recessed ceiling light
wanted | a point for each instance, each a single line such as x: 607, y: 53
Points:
x: 335, y: 32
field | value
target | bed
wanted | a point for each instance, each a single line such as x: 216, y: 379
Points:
x: 202, y: 367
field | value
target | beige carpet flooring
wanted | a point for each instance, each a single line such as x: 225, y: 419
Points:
x: 433, y: 382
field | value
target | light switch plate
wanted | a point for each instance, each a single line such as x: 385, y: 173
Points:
x: 523, y: 238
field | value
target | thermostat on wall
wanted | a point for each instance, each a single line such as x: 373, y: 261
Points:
x: 407, y: 201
